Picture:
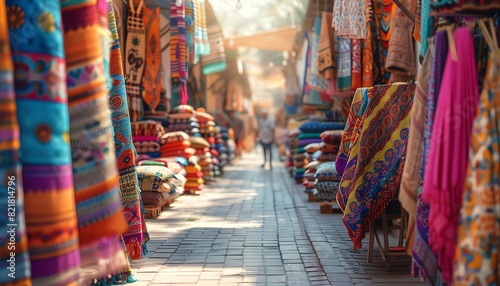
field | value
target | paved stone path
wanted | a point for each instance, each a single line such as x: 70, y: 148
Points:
x: 255, y: 227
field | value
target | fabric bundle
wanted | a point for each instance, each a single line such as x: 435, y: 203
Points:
x: 95, y: 176
x: 146, y: 136
x: 178, y: 49
x: 151, y: 80
x: 194, y: 178
x: 176, y: 144
x: 208, y: 131
x: 349, y: 18
x: 215, y: 60
x: 327, y: 181
x: 374, y: 174
x: 157, y: 184
x: 201, y: 45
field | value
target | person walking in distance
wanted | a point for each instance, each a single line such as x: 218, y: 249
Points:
x: 238, y: 127
x: 266, y: 137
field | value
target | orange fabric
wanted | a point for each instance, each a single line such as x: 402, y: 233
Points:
x: 151, y: 80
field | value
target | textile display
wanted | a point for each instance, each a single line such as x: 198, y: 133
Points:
x: 349, y: 18
x: 151, y: 80
x: 189, y: 12
x: 95, y: 176
x: 382, y: 10
x: 343, y: 58
x: 135, y: 53
x: 327, y: 172
x: 215, y: 60
x: 178, y: 49
x: 124, y: 149
x: 332, y: 137
x: 201, y: 44
x: 478, y: 253
x: 326, y: 63
x: 327, y: 157
x: 367, y: 50
x: 166, y: 68
x: 324, y: 196
x: 356, y: 66
x: 45, y: 154
x: 10, y: 171
x: 320, y: 127
x: 327, y: 187
x: 315, y: 80
x: 444, y: 179
x: 368, y: 177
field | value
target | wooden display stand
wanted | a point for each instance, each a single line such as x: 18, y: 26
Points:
x: 152, y: 211
x: 326, y: 207
x: 311, y: 197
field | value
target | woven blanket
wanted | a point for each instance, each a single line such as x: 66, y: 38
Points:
x: 215, y: 60
x: 151, y: 80
x: 45, y: 154
x: 97, y: 196
x: 178, y: 49
x: 135, y: 50
x: 124, y: 149
x: 147, y: 128
x: 10, y: 170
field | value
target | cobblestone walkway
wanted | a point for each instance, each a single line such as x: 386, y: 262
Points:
x: 255, y: 227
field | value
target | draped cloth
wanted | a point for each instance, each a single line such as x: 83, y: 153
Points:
x: 477, y: 259
x: 447, y: 165
x: 215, y: 60
x: 124, y: 148
x: 343, y: 58
x: 424, y: 260
x: 356, y: 64
x: 367, y: 52
x: 178, y: 49
x: 98, y: 204
x: 10, y: 172
x: 151, y: 80
x: 326, y: 63
x: 45, y: 155
x: 135, y: 50
x: 202, y: 47
x: 373, y: 173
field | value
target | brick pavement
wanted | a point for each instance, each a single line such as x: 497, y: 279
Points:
x: 255, y: 227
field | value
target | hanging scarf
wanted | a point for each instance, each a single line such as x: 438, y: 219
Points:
x: 447, y: 165
x: 326, y: 64
x: 382, y: 10
x: 376, y: 174
x: 11, y: 227
x: 367, y: 50
x: 51, y: 222
x: 100, y: 216
x: 344, y: 64
x: 151, y: 80
x: 134, y: 64
x: 178, y: 49
x: 124, y: 149
x: 202, y: 24
x: 315, y: 80
x: 190, y: 29
x: 165, y: 58
x: 215, y: 61
x: 355, y: 64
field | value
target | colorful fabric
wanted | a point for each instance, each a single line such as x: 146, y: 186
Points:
x: 172, y: 137
x: 444, y: 177
x: 13, y: 270
x: 45, y: 155
x: 309, y: 135
x: 367, y: 51
x: 315, y: 80
x: 124, y: 149
x: 327, y: 157
x: 166, y: 67
x: 215, y: 60
x: 381, y: 29
x: 343, y: 58
x: 149, y: 128
x: 202, y: 45
x: 151, y: 80
x: 327, y: 172
x: 401, y: 58
x: 326, y: 148
x: 97, y: 197
x: 411, y: 180
x: 356, y: 67
x: 178, y: 49
x: 135, y: 53
x: 376, y: 159
x: 332, y: 137
x: 349, y: 18
x: 327, y: 186
x: 319, y: 127
x: 326, y: 63
x: 190, y: 29
x: 477, y: 259
x: 426, y: 26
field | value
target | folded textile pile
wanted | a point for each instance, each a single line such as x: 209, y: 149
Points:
x: 194, y: 178
x: 207, y: 130
x: 292, y: 148
x: 176, y: 144
x: 183, y: 118
x: 327, y: 181
x: 158, y: 184
x: 146, y: 135
x: 309, y: 177
x: 330, y: 145
x: 222, y: 145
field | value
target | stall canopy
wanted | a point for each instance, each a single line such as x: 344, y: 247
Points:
x: 277, y: 40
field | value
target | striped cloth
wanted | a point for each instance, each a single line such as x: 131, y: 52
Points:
x: 99, y: 210
x: 202, y: 47
x: 152, y: 73
x: 178, y: 50
x: 10, y: 172
x: 124, y: 149
x: 51, y: 221
x: 215, y: 60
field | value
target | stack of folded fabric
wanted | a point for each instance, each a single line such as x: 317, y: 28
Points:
x: 207, y: 130
x: 309, y: 178
x: 194, y: 178
x: 157, y: 185
x: 330, y: 145
x: 146, y: 135
x: 222, y: 146
x: 183, y: 118
x: 203, y: 154
x: 176, y: 144
x: 292, y: 148
x: 327, y: 182
x: 180, y: 174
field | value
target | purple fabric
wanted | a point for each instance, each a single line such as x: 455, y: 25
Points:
x: 45, y: 267
x: 305, y: 142
x: 56, y: 177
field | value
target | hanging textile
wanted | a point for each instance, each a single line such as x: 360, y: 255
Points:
x: 45, y: 151
x: 447, y: 165
x: 165, y: 59
x: 134, y: 64
x: 376, y: 174
x: 478, y: 250
x: 326, y: 64
x: 124, y: 148
x: 215, y: 61
x: 355, y: 64
x: 367, y: 49
x: 178, y: 50
x: 424, y: 260
x: 100, y: 216
x: 382, y: 10
x: 14, y: 269
x: 151, y: 80
x: 418, y: 22
x: 190, y: 29
x: 315, y: 80
x: 426, y: 25
x: 401, y: 58
x: 349, y: 18
x: 411, y: 180
x: 343, y: 58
